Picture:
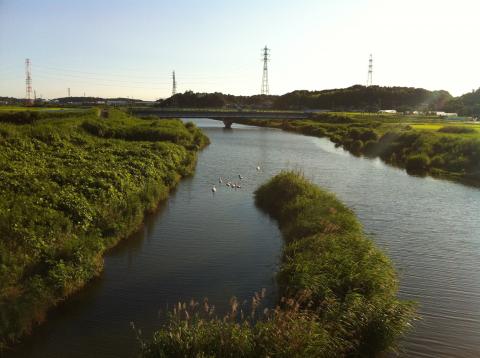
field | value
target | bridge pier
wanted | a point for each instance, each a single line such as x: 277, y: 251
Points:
x: 228, y: 123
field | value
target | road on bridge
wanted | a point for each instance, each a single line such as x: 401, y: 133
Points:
x: 228, y: 117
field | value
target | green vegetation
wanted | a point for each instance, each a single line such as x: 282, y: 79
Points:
x: 72, y: 188
x: 371, y: 99
x: 420, y: 145
x: 190, y: 99
x: 466, y: 105
x: 357, y: 98
x: 24, y: 115
x: 339, y: 290
x: 457, y: 130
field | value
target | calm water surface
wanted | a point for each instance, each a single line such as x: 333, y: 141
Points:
x: 216, y: 246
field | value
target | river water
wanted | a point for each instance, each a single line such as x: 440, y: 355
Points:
x: 201, y: 244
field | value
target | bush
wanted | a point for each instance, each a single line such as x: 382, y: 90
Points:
x: 370, y: 147
x: 357, y: 146
x: 438, y: 161
x: 418, y: 163
x: 457, y: 130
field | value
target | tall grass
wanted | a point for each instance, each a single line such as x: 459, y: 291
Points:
x: 338, y: 290
x: 69, y: 193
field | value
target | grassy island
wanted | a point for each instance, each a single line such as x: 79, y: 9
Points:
x: 421, y: 145
x: 72, y: 185
x: 339, y: 291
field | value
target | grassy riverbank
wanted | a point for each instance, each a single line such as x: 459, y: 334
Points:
x: 423, y: 146
x: 339, y: 290
x: 71, y: 187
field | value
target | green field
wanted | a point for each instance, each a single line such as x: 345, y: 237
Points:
x: 436, y: 127
x: 72, y: 187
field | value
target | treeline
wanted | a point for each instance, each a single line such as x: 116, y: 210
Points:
x: 93, y: 100
x: 190, y: 99
x: 370, y: 99
x: 355, y: 98
x: 467, y: 105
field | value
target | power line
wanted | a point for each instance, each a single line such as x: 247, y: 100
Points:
x: 266, y: 57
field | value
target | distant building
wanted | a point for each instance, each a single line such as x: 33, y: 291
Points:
x: 445, y: 114
x: 388, y: 111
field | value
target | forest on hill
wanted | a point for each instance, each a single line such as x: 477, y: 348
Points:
x: 355, y: 98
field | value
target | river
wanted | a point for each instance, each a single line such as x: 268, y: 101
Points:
x: 201, y: 244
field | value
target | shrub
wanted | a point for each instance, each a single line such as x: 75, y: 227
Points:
x: 357, y: 146
x: 418, y: 163
x: 457, y: 130
x: 438, y: 161
x: 370, y: 147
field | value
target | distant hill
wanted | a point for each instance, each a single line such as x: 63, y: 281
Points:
x: 371, y: 98
x: 93, y: 100
x: 356, y: 98
x: 216, y: 100
x: 466, y: 105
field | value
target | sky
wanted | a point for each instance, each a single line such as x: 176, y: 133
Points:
x: 129, y: 48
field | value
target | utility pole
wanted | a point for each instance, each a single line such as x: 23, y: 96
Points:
x: 370, y: 71
x: 28, y: 82
x: 174, y: 84
x: 266, y: 57
x: 68, y: 91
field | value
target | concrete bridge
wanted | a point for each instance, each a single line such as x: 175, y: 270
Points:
x: 226, y: 116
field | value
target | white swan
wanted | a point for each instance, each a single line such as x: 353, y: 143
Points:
x: 258, y: 168
x: 214, y: 189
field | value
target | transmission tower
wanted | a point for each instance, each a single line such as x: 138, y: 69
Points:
x: 266, y: 58
x: 68, y: 91
x: 370, y: 71
x: 28, y: 82
x: 174, y: 84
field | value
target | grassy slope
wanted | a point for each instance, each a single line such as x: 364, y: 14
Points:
x: 339, y: 290
x: 71, y: 188
x: 417, y: 144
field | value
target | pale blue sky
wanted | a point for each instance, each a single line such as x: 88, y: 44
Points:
x: 129, y: 48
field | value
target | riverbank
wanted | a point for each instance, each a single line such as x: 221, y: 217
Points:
x: 437, y: 148
x: 339, y: 290
x: 71, y: 188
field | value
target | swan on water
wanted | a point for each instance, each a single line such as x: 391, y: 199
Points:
x: 220, y: 181
x: 258, y: 168
x: 214, y: 189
